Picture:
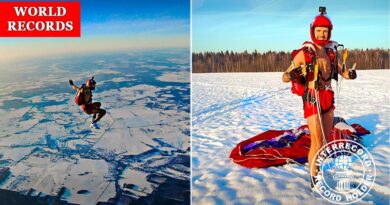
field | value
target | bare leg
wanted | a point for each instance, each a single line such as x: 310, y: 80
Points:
x: 96, y: 105
x: 316, y: 141
x: 99, y: 114
x: 327, y: 120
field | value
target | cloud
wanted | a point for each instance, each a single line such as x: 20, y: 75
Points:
x: 140, y: 26
x: 106, y: 36
x: 51, y: 47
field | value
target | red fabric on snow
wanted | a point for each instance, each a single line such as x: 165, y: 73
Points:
x: 265, y: 157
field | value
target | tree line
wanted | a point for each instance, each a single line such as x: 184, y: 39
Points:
x: 271, y: 61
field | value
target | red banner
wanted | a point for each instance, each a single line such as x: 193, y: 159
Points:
x: 39, y: 19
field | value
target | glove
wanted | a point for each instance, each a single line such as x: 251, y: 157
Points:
x: 352, y: 74
x: 296, y: 73
x: 71, y: 82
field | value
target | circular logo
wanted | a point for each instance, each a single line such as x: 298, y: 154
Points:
x: 346, y: 171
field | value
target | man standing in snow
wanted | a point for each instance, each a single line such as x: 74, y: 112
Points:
x: 311, y: 72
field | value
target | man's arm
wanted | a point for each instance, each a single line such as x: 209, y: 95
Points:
x: 286, y: 74
x: 348, y: 73
x: 73, y: 86
x: 296, y: 62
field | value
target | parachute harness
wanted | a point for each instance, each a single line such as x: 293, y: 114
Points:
x: 338, y: 83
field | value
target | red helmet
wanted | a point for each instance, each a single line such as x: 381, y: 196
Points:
x: 91, y: 83
x: 321, y: 21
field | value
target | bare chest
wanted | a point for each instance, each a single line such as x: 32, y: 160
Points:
x: 87, y: 95
x: 324, y: 64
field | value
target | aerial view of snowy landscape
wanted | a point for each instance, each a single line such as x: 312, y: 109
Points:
x: 140, y: 154
x: 228, y: 108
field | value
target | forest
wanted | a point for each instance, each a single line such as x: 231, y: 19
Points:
x: 271, y: 61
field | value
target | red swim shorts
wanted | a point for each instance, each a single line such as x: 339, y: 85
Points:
x: 326, y: 101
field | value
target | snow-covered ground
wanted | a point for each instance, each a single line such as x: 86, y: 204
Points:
x: 231, y: 107
x: 47, y: 147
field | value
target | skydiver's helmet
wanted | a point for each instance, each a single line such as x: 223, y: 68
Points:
x: 321, y: 21
x: 91, y: 83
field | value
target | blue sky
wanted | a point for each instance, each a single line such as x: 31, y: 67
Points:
x: 113, y: 25
x: 118, y: 17
x: 284, y: 25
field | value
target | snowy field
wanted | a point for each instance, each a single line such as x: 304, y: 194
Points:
x: 48, y: 149
x: 231, y: 107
